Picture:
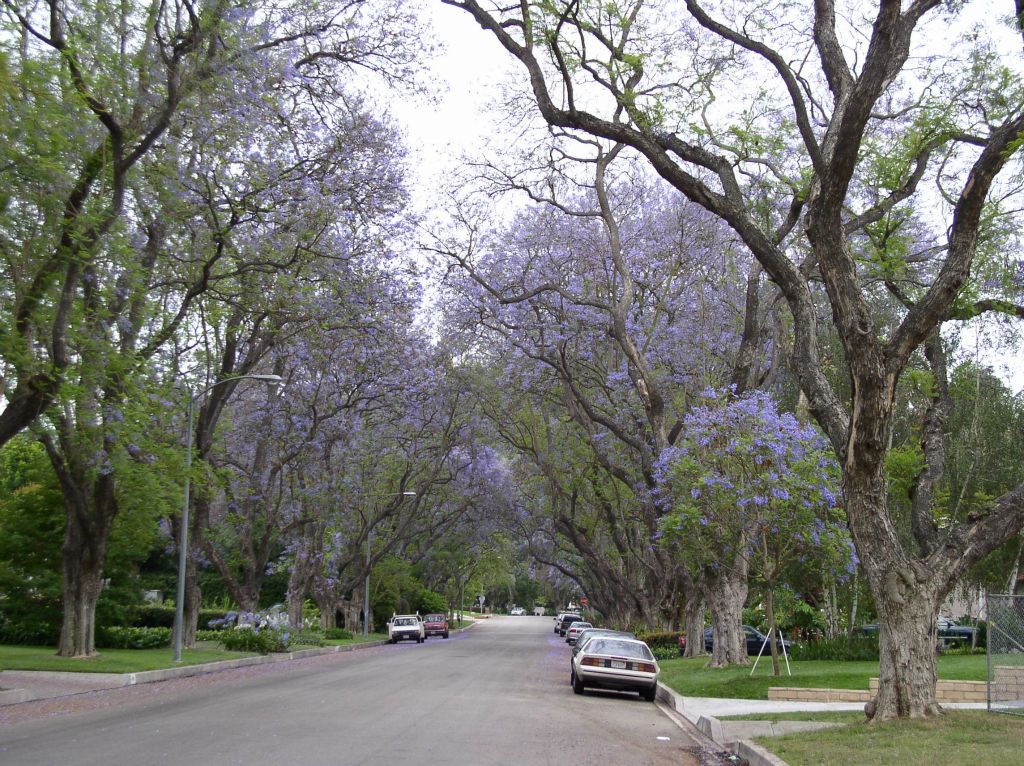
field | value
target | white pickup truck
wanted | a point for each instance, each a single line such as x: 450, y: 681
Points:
x: 406, y: 626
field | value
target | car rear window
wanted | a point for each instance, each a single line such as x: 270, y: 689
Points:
x: 619, y: 648
x: 405, y: 621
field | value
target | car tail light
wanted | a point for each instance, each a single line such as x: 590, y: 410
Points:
x: 644, y: 667
x: 592, y: 661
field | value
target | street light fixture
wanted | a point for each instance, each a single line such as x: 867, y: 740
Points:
x: 179, y: 603
x: 366, y: 583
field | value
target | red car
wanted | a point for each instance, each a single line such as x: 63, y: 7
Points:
x: 436, y: 625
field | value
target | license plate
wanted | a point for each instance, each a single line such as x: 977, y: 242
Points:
x: 618, y: 664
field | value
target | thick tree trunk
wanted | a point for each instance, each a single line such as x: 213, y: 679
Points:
x: 907, y: 593
x: 694, y: 619
x: 83, y: 555
x: 726, y: 595
x: 907, y: 644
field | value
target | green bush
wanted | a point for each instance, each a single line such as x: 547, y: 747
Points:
x: 664, y: 653
x: 661, y: 640
x: 28, y: 631
x: 308, y: 638
x: 247, y: 638
x: 133, y: 638
x: 338, y: 634
x: 159, y: 616
x: 209, y: 635
x: 856, y: 648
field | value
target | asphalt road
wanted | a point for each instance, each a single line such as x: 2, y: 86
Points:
x: 497, y: 694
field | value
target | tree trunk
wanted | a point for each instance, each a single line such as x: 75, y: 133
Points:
x: 694, y: 618
x: 193, y: 603
x: 907, y: 643
x: 83, y: 555
x: 726, y: 595
x: 907, y: 593
x: 773, y: 630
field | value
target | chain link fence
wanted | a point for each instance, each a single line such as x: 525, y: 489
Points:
x: 1005, y: 653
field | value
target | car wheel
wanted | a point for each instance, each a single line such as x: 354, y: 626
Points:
x: 392, y: 640
x: 650, y: 694
x: 446, y: 635
x: 577, y: 684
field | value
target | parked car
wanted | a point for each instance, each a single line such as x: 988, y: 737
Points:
x: 561, y: 616
x: 403, y: 627
x: 574, y: 630
x: 948, y: 633
x: 952, y: 635
x: 608, y: 662
x: 755, y: 640
x: 435, y: 625
x: 517, y: 611
x: 565, y: 622
x: 589, y: 633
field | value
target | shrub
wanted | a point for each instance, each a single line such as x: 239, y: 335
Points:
x: 251, y: 638
x: 661, y: 640
x: 338, y: 634
x: 856, y: 648
x: 159, y: 616
x: 133, y: 638
x: 664, y: 653
x: 308, y: 638
x: 29, y: 632
x: 209, y: 635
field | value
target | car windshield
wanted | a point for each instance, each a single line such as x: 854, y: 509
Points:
x: 578, y: 626
x: 435, y: 618
x: 619, y: 648
x: 405, y: 621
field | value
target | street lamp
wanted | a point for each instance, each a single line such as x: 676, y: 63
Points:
x: 179, y: 604
x: 366, y: 584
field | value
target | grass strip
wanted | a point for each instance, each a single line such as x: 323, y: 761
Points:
x: 692, y: 677
x: 959, y: 737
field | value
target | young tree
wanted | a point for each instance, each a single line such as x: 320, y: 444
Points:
x: 828, y: 133
x: 751, y: 490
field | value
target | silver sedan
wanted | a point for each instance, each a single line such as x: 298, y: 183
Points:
x: 616, y: 663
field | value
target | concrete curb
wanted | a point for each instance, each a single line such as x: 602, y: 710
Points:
x: 712, y: 731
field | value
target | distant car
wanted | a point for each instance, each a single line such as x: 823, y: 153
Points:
x: 561, y: 616
x: 517, y: 611
x: 589, y: 633
x: 607, y: 662
x: 435, y: 625
x: 566, y: 621
x: 402, y: 627
x: 574, y: 630
x: 755, y: 639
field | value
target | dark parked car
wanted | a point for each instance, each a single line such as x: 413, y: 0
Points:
x: 566, y: 621
x: 755, y: 640
x: 949, y: 635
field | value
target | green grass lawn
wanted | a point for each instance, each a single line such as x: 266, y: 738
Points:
x: 691, y: 677
x: 135, y: 660
x: 111, y: 660
x: 957, y: 738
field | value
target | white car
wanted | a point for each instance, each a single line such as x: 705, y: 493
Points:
x: 406, y: 626
x: 608, y: 662
x: 574, y: 631
x: 517, y: 611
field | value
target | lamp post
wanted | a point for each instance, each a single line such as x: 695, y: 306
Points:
x: 366, y: 583
x: 179, y: 603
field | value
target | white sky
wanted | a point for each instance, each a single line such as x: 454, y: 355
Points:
x: 461, y: 121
